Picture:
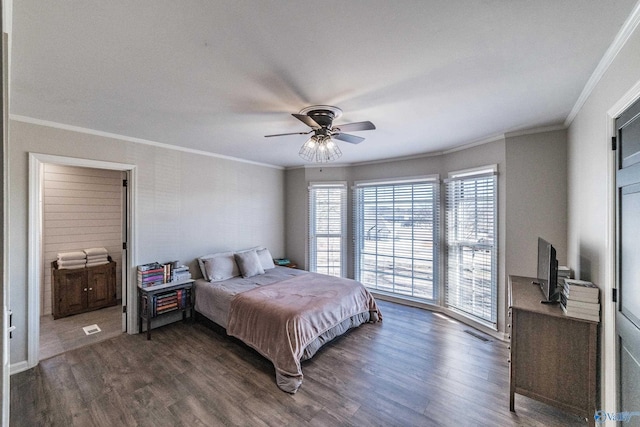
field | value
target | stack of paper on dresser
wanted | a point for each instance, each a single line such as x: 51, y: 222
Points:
x: 69, y: 260
x: 96, y: 256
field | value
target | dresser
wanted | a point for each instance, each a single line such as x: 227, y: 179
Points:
x: 553, y: 357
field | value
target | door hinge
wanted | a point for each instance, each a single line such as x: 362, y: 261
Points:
x: 11, y: 327
x: 125, y: 182
x: 614, y: 294
x: 614, y: 143
x: 124, y: 245
x: 124, y: 308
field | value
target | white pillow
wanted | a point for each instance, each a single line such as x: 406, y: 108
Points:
x: 249, y: 263
x: 220, y: 266
x: 265, y: 259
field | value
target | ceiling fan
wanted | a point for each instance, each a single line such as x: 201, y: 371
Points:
x: 320, y: 146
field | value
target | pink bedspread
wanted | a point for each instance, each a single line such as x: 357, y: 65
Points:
x: 281, y: 319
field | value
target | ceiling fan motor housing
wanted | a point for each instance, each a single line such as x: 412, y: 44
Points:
x: 322, y: 114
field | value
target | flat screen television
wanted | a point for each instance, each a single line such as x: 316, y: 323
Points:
x: 547, y: 271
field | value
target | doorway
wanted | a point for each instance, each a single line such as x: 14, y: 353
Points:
x: 82, y: 208
x: 37, y: 251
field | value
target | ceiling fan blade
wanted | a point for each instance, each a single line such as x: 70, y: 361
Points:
x: 352, y: 139
x: 356, y: 126
x: 307, y: 120
x: 285, y: 134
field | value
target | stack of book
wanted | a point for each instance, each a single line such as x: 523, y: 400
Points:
x: 150, y: 274
x: 156, y: 274
x: 169, y: 301
x: 165, y: 302
x: 580, y: 299
x: 180, y: 273
x: 564, y: 272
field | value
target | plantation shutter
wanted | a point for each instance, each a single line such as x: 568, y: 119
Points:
x: 471, y: 240
x: 327, y: 228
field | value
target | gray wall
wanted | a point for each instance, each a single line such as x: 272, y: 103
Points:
x: 186, y: 204
x: 591, y: 194
x: 536, y: 194
x: 525, y: 211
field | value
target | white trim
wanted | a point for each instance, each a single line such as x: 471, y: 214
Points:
x: 19, y: 367
x: 78, y: 129
x: 7, y: 16
x: 327, y: 184
x: 480, y: 170
x: 36, y: 163
x: 405, y: 180
x: 609, y: 387
x: 534, y: 131
x: 616, y: 46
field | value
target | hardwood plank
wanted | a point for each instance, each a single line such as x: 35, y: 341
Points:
x: 414, y: 368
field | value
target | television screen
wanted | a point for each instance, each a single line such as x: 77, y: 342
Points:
x: 547, y: 270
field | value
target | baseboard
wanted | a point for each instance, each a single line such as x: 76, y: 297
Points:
x: 15, y: 368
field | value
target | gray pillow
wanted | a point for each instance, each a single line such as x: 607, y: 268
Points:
x: 219, y: 266
x: 265, y: 258
x: 249, y: 263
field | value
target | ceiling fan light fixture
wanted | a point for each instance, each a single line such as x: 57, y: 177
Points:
x: 320, y: 149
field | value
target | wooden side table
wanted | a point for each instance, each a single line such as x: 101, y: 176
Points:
x: 163, y: 299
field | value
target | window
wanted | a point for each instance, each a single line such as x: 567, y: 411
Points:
x: 327, y: 228
x: 471, y: 210
x: 395, y: 237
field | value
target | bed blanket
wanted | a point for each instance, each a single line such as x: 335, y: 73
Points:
x: 281, y: 319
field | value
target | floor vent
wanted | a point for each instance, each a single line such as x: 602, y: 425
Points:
x: 91, y: 329
x: 477, y: 335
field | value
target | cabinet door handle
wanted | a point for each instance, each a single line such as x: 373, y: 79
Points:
x: 85, y: 289
x: 90, y: 289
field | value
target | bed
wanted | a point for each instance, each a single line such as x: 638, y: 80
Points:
x: 283, y: 313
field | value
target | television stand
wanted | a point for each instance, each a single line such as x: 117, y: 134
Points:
x: 553, y: 356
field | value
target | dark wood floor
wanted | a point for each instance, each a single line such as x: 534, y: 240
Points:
x: 413, y: 369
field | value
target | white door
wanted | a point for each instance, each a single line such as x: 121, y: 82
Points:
x: 628, y: 264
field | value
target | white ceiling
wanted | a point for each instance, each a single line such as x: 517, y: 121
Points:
x: 218, y: 75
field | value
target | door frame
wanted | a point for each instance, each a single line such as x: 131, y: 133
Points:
x: 34, y: 274
x: 609, y: 387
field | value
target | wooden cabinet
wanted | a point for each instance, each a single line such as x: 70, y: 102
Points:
x: 553, y: 356
x: 83, y: 289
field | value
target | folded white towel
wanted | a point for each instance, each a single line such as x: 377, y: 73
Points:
x: 97, y: 257
x: 70, y: 267
x: 96, y: 251
x: 96, y: 263
x: 67, y: 256
x: 72, y: 262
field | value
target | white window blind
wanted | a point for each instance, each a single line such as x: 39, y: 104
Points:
x: 395, y: 237
x: 471, y: 211
x: 327, y: 228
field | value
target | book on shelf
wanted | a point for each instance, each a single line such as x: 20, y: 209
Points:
x: 155, y: 273
x: 564, y: 272
x: 580, y: 286
x: 591, y: 298
x: 580, y: 315
x: 150, y: 267
x: 590, y: 307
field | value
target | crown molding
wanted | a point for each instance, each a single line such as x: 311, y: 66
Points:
x: 534, y: 131
x: 618, y: 43
x: 94, y: 132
